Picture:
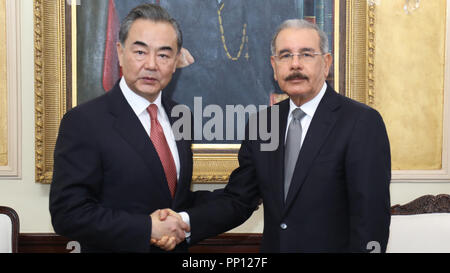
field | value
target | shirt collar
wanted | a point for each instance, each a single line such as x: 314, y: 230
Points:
x: 138, y: 104
x: 311, y: 106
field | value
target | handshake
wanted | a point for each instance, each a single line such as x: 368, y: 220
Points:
x: 168, y: 229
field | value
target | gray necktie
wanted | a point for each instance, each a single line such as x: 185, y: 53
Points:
x: 292, y: 148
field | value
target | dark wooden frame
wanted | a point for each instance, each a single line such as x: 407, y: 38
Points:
x: 12, y: 214
x: 224, y: 243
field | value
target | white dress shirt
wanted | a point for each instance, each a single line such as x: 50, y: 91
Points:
x: 309, y: 109
x: 139, y: 106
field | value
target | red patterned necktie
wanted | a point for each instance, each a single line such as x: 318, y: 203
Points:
x: 161, y: 146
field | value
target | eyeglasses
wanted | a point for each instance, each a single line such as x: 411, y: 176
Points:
x: 306, y: 57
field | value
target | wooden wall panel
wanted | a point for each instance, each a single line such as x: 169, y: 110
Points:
x: 225, y: 243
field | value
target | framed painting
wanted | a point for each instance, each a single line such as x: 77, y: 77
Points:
x: 229, y: 40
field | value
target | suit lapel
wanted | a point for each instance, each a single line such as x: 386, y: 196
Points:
x: 277, y: 159
x: 323, y: 121
x: 129, y: 127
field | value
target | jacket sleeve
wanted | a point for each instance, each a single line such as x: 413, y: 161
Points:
x: 368, y: 175
x: 232, y: 206
x: 75, y: 207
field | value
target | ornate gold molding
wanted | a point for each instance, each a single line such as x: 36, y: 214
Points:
x: 214, y: 163
x: 360, y: 50
x: 371, y: 56
x: 50, y: 81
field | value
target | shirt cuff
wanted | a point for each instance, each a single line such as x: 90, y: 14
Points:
x: 186, y: 219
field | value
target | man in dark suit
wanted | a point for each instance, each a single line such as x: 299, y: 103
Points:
x: 117, y: 161
x: 326, y: 187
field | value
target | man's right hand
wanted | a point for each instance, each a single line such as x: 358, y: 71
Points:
x: 168, y: 229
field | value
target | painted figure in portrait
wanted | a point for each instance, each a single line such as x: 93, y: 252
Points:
x: 227, y: 39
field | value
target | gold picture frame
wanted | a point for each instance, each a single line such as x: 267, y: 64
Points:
x: 212, y: 163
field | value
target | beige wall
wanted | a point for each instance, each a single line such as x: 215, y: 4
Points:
x: 31, y: 199
x: 3, y: 91
x: 409, y: 80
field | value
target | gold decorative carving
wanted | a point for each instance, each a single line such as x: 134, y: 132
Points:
x: 214, y: 164
x: 50, y: 81
x: 371, y: 55
x: 357, y: 51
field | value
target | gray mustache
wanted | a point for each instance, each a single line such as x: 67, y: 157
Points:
x: 295, y: 76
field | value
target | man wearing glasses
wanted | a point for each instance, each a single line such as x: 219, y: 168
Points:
x: 326, y: 187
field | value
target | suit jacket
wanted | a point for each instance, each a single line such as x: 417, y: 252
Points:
x: 108, y: 177
x: 339, y: 197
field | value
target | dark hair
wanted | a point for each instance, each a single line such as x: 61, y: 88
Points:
x: 150, y: 12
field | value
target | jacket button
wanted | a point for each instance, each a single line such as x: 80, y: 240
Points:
x: 283, y: 226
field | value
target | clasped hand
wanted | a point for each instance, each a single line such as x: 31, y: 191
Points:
x: 168, y: 229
